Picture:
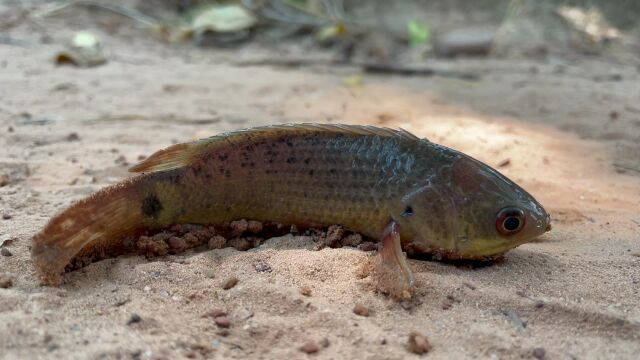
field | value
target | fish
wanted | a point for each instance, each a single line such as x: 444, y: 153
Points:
x: 387, y: 184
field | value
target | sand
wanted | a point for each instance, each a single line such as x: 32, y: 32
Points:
x: 570, y: 138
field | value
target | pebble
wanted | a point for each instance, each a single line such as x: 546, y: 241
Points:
x: 262, y: 267
x: 418, y: 343
x: 361, y: 310
x: 134, y: 319
x: 325, y: 343
x: 5, y: 282
x: 230, y: 282
x: 539, y: 353
x: 254, y: 227
x: 447, y: 304
x: 5, y: 252
x: 73, y: 137
x: 310, y: 347
x: 211, y: 274
x: 177, y: 243
x: 217, y: 242
x: 6, y: 216
x: 222, y: 321
x: 504, y: 163
x: 305, y: 290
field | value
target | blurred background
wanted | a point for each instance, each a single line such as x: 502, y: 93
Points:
x: 547, y: 92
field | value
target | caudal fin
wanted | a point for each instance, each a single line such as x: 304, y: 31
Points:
x: 94, y: 225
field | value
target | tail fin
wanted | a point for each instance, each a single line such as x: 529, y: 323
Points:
x: 94, y: 225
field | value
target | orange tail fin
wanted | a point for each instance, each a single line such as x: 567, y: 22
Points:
x: 94, y: 225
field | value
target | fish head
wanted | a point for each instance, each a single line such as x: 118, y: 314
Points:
x: 477, y: 213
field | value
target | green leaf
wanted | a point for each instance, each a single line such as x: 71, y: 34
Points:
x: 418, y: 32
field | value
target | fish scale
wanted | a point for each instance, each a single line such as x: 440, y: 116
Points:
x: 310, y: 179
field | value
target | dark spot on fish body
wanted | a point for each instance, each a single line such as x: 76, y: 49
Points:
x: 151, y: 206
x: 174, y: 178
x: 196, y: 169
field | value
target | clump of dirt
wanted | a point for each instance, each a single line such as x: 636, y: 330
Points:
x: 361, y: 310
x: 5, y: 282
x: 335, y: 236
x: 418, y: 343
x: 240, y: 234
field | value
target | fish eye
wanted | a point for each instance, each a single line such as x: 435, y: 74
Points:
x: 510, y: 221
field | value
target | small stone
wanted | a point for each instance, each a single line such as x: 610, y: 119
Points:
x: 310, y: 347
x: 210, y: 273
x: 504, y: 163
x: 539, y: 304
x: 6, y: 216
x: 418, y: 343
x: 245, y: 314
x: 361, y: 310
x: 335, y: 233
x: 230, y: 282
x: 73, y: 137
x: 177, y: 243
x: 305, y: 290
x: 325, y: 342
x: 134, y: 319
x: 238, y: 227
x: 5, y: 282
x: 539, y: 353
x: 262, y: 267
x: 254, y: 226
x: 5, y: 252
x: 352, y: 240
x: 217, y: 242
x: 448, y: 302
x: 222, y: 321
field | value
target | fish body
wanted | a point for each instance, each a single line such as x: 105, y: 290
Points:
x: 360, y: 177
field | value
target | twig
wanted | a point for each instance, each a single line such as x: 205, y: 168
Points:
x: 372, y: 68
x: 375, y: 68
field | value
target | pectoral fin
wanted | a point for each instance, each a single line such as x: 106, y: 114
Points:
x: 391, y: 253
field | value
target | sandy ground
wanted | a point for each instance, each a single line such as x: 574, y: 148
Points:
x: 570, y: 131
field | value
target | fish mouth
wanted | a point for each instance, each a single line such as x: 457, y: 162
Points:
x: 548, y: 228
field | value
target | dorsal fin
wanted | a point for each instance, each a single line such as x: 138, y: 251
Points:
x: 180, y: 155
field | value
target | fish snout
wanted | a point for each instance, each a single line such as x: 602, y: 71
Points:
x: 548, y: 228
